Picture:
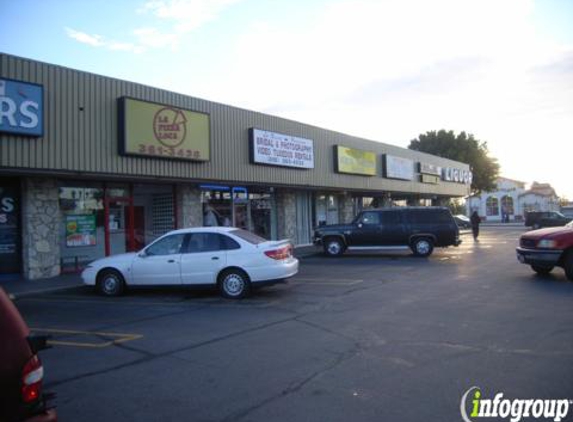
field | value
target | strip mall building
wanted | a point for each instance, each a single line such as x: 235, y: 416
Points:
x: 92, y: 166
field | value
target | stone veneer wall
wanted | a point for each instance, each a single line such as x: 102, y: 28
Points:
x: 286, y: 214
x: 40, y: 228
x: 189, y: 207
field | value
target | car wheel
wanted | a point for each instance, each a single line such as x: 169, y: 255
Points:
x: 422, y: 247
x: 568, y: 265
x: 333, y: 246
x: 234, y: 284
x: 110, y: 283
x: 541, y: 270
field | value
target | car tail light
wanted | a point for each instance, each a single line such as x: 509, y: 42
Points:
x: 281, y: 253
x: 32, y: 376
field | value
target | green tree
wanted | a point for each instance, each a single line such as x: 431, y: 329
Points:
x: 465, y: 148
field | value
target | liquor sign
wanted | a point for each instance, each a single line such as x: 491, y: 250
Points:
x: 398, y: 168
x: 161, y: 131
x: 276, y: 149
x: 21, y: 108
x: 433, y: 169
x: 455, y: 175
x: 354, y: 161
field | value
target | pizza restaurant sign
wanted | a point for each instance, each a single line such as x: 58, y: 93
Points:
x: 161, y: 131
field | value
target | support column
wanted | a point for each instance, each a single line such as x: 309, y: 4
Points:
x: 189, y: 207
x: 286, y: 214
x: 40, y: 228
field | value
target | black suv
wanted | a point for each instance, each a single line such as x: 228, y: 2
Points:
x: 539, y: 219
x: 418, y: 228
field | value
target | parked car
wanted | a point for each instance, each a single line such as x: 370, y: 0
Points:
x: 548, y: 248
x: 540, y: 219
x: 232, y: 259
x: 463, y: 221
x: 418, y: 228
x: 22, y: 398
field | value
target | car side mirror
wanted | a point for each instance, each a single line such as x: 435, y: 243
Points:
x: 142, y: 254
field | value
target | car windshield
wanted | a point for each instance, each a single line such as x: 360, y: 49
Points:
x: 248, y: 236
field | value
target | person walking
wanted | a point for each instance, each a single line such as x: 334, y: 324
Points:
x: 475, y: 220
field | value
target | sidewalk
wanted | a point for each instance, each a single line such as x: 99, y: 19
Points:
x: 17, y: 288
x: 503, y: 225
x: 20, y: 287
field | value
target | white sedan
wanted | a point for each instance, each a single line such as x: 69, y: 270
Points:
x: 232, y: 259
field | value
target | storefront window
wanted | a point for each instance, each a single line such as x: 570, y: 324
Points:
x: 217, y: 207
x: 10, y: 237
x: 507, y: 205
x: 261, y: 214
x: 239, y: 207
x: 82, y: 227
x: 326, y: 207
x: 492, y: 206
x: 153, y: 213
x: 135, y: 216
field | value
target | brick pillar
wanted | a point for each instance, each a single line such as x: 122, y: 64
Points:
x: 41, y: 221
x: 189, y: 207
x: 286, y: 214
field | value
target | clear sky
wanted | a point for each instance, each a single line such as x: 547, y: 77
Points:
x: 385, y: 70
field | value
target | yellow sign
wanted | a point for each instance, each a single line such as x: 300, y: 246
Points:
x: 354, y: 161
x: 156, y: 130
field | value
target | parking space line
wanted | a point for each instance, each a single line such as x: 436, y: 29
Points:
x: 118, y: 338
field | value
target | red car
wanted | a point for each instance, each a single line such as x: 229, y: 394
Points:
x: 21, y: 372
x: 548, y: 248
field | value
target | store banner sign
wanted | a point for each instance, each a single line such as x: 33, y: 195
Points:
x: 432, y: 169
x: 80, y: 230
x: 277, y: 149
x: 354, y: 161
x: 398, y: 168
x: 21, y: 108
x: 429, y: 178
x: 153, y: 130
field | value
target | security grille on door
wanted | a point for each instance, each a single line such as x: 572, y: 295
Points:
x: 162, y: 215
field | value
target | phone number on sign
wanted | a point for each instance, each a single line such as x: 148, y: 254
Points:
x: 169, y: 152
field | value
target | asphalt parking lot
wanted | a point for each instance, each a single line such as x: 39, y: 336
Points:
x: 377, y: 337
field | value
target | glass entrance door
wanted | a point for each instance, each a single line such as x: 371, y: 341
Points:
x: 119, y: 226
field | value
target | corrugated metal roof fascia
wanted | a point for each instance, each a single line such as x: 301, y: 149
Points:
x: 86, y: 139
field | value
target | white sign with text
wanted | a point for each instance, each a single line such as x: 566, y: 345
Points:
x: 281, y: 150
